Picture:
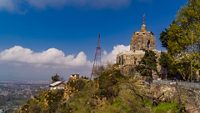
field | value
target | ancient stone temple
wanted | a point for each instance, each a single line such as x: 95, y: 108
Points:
x: 141, y: 40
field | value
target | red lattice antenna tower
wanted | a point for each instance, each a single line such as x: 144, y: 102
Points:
x: 97, y: 60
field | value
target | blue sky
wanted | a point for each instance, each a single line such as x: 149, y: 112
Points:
x: 72, y: 26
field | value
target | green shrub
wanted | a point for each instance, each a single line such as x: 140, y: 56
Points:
x: 166, y: 108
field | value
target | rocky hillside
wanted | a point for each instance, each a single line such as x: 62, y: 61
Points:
x: 111, y: 92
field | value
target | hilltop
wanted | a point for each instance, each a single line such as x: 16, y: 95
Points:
x: 111, y: 92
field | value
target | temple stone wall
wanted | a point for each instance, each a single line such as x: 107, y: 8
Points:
x: 141, y: 40
x: 130, y: 57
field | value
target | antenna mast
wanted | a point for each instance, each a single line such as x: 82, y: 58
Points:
x: 97, y: 59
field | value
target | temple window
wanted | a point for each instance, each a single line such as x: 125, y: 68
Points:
x: 148, y: 44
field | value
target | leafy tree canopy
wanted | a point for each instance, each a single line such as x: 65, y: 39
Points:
x: 182, y: 40
x: 55, y: 78
x: 148, y: 64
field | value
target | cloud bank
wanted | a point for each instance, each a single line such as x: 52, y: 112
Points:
x: 23, y: 63
x: 51, y: 57
x: 15, y: 5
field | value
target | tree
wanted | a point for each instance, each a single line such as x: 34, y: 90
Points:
x: 182, y: 40
x: 108, y: 82
x: 54, y: 99
x: 55, y: 78
x: 148, y: 64
x: 167, y: 68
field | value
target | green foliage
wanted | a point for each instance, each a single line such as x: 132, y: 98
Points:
x: 46, y: 102
x: 128, y: 99
x: 83, y: 102
x: 54, y: 98
x: 182, y: 40
x: 147, y: 64
x: 110, y: 93
x: 164, y: 60
x: 166, y: 63
x: 77, y: 84
x: 108, y: 83
x: 167, y: 108
x: 184, y: 31
x: 55, y: 78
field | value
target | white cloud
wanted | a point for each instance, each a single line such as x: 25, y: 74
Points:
x: 87, y: 3
x: 9, y: 5
x: 16, y: 5
x: 24, y: 64
x: 51, y: 57
x: 54, y: 57
x: 111, y: 57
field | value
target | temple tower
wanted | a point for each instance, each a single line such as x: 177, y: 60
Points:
x: 143, y: 39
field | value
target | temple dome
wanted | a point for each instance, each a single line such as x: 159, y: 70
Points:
x: 143, y: 39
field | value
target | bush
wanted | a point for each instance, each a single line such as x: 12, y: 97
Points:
x: 108, y: 83
x: 166, y: 108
